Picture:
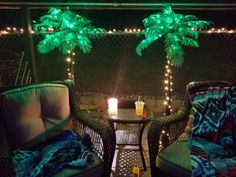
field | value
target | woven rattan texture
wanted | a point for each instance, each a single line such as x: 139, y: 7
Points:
x: 173, y: 125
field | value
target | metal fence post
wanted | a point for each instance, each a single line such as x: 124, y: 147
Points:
x: 28, y: 39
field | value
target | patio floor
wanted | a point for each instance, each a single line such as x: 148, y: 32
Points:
x: 127, y: 156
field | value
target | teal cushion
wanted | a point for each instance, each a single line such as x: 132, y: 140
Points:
x: 176, y: 159
x: 90, y: 170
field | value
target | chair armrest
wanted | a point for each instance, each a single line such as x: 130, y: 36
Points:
x: 101, y: 134
x: 173, y: 125
x: 102, y: 137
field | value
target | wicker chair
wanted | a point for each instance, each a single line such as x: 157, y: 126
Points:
x: 162, y: 134
x: 100, y: 133
x: 209, y: 119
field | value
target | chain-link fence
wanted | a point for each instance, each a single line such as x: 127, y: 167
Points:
x: 114, y: 68
x: 14, y: 69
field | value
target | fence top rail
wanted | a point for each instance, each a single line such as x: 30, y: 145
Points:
x: 11, y: 4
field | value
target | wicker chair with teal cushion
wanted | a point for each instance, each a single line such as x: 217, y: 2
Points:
x: 168, y: 138
x: 43, y: 133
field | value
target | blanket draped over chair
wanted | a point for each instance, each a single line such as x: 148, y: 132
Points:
x: 213, y: 136
x: 47, y: 159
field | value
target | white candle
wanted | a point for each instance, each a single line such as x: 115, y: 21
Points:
x: 112, y: 106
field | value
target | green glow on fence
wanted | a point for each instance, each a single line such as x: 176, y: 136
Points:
x: 65, y: 30
x: 178, y: 30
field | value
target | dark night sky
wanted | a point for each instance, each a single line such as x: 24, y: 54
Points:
x: 121, y: 19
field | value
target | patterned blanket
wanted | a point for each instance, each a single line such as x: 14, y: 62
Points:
x: 213, y: 136
x: 66, y: 150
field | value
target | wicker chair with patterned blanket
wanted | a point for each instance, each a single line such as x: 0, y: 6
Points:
x: 213, y: 133
x: 167, y: 157
x: 43, y: 133
x: 170, y: 149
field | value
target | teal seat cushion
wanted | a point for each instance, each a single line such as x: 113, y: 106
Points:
x: 175, y: 159
x: 90, y: 170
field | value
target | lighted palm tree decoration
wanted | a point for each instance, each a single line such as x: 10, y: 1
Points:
x: 177, y: 30
x: 66, y: 30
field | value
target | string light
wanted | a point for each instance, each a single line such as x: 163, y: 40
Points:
x: 168, y: 88
x: 15, y: 30
x: 11, y: 30
x: 167, y: 102
x: 70, y: 65
x: 219, y: 30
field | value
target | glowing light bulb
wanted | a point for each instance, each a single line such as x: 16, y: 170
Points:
x: 50, y: 29
x: 4, y: 32
x: 68, y: 59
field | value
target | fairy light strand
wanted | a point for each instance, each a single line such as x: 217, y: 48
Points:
x: 70, y: 65
x: 168, y: 89
x: 15, y: 30
x: 168, y: 100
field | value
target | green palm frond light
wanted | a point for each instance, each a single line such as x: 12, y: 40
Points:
x: 177, y: 30
x: 65, y: 30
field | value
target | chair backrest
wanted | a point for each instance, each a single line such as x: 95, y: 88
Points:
x: 213, y: 111
x: 35, y: 112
